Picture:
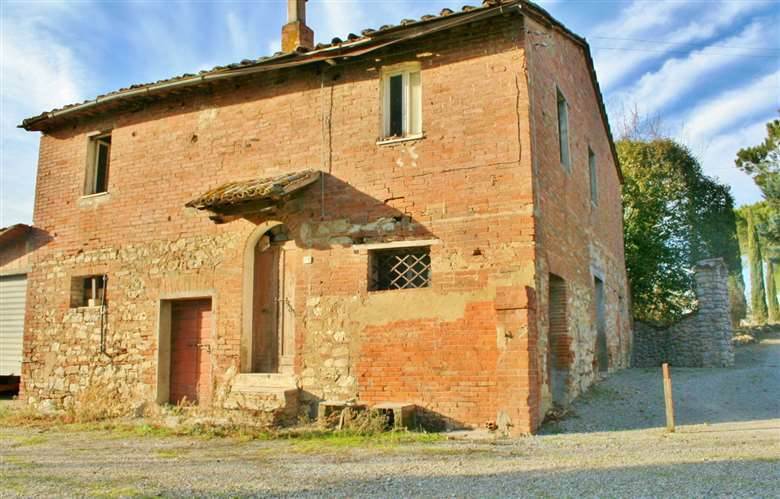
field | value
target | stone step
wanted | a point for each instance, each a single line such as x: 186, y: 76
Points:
x: 264, y: 382
x: 276, y: 394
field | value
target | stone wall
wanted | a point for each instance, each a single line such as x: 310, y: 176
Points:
x: 701, y: 338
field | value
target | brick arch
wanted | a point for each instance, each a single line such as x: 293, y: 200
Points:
x: 247, y: 292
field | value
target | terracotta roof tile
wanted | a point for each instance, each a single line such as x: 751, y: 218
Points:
x: 382, y: 37
x: 269, y: 188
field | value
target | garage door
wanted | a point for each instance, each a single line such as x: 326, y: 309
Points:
x: 13, y: 290
x: 190, y: 351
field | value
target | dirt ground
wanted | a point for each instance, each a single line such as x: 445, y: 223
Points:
x: 728, y: 445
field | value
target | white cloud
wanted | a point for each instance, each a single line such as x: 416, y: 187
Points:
x: 757, y: 97
x: 37, y: 73
x: 639, y: 18
x: 678, y: 76
x: 237, y: 33
x: 717, y: 155
x: 634, y: 51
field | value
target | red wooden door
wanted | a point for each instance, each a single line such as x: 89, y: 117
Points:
x: 190, y: 351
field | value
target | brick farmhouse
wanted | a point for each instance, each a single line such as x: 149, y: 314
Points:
x: 426, y: 213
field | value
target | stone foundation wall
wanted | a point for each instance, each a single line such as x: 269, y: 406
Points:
x: 700, y: 339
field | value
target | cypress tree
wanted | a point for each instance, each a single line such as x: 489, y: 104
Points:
x: 757, y: 292
x: 771, y: 291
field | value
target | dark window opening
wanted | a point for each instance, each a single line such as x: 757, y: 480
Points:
x: 100, y: 159
x: 396, y: 106
x: 88, y: 291
x: 406, y: 268
x: 563, y: 129
x: 594, y: 186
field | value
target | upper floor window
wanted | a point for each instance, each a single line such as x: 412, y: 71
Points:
x: 401, y: 101
x: 594, y: 180
x: 563, y: 130
x: 98, y: 160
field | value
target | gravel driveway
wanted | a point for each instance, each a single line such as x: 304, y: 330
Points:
x: 728, y: 446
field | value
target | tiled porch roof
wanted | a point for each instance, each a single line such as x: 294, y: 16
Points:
x: 271, y: 189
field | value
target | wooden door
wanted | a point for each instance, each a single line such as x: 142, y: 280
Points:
x: 191, y: 351
x: 265, y: 342
x: 286, y: 308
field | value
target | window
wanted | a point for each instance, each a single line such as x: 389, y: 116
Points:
x: 402, y: 102
x: 98, y: 160
x: 594, y: 180
x: 405, y: 268
x: 88, y: 291
x: 563, y: 130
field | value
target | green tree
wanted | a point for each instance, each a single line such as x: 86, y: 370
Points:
x: 758, y: 306
x: 762, y: 162
x: 763, y: 261
x: 673, y: 216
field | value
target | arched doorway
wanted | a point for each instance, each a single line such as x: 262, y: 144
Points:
x: 268, y: 337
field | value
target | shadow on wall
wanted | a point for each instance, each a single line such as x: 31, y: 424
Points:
x: 332, y: 213
x: 423, y: 419
x: 26, y: 244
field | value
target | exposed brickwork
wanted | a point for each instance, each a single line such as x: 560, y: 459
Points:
x: 576, y: 241
x: 469, y: 348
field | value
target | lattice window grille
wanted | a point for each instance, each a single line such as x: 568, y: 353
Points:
x: 401, y: 269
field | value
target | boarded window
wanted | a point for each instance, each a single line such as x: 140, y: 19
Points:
x: 88, y: 291
x: 563, y: 130
x: 98, y: 161
x: 402, y: 103
x: 560, y: 356
x: 405, y: 268
x: 594, y: 180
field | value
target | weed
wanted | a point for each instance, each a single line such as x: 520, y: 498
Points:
x: 34, y: 440
x: 168, y: 453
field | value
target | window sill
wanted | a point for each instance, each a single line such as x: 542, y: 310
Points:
x: 398, y: 140
x: 93, y: 199
x: 395, y: 290
x: 95, y: 195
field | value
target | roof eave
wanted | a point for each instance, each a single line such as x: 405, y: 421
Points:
x: 375, y: 41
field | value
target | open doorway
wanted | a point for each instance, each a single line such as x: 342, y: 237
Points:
x: 272, y: 302
x: 602, y: 354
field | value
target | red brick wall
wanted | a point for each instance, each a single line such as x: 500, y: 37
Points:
x: 454, y: 348
x: 576, y: 241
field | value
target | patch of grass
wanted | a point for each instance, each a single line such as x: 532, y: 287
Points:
x: 110, y: 491
x: 34, y: 440
x: 169, y: 453
x: 323, y: 440
x: 16, y: 462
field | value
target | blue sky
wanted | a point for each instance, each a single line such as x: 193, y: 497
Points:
x: 710, y: 69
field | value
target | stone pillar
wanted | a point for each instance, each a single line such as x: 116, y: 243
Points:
x: 713, y: 322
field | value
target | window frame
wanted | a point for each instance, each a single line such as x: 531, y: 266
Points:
x: 564, y: 129
x: 593, y: 177
x: 374, y: 256
x: 96, y: 141
x: 411, y: 106
x: 81, y: 285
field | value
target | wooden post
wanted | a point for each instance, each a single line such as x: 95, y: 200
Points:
x: 668, y: 398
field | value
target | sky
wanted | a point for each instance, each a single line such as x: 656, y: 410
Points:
x: 708, y: 69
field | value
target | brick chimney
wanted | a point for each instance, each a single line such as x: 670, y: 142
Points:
x: 295, y: 33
